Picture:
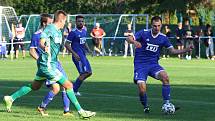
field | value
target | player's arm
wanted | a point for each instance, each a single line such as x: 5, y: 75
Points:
x: 69, y: 48
x: 42, y: 45
x: 131, y: 39
x: 176, y: 51
x: 33, y: 53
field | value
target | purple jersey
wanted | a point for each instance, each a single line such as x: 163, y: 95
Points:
x: 35, y: 41
x: 149, y: 53
x: 78, y: 39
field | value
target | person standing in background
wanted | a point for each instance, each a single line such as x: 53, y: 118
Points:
x: 179, y: 39
x: 128, y: 32
x: 209, y: 42
x: 97, y: 35
x: 19, y: 38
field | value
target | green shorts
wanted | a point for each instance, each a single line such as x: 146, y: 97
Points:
x: 51, y: 75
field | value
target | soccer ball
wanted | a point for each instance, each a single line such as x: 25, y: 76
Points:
x: 168, y: 108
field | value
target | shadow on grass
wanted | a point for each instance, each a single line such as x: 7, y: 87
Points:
x: 119, y: 100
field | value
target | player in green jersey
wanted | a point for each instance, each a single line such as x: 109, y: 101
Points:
x: 50, y: 42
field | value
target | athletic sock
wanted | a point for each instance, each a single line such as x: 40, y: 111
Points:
x: 22, y: 91
x: 70, y: 93
x: 77, y: 84
x: 47, y: 99
x: 143, y: 100
x: 166, y: 93
x: 66, y: 101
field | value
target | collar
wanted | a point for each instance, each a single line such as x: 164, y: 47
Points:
x: 153, y: 35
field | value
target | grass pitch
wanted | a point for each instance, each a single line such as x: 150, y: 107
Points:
x: 111, y: 92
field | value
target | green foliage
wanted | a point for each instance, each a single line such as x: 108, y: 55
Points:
x: 152, y: 7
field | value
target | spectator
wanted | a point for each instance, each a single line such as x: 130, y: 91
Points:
x: 209, y: 42
x: 167, y: 32
x: 188, y: 40
x: 128, y: 32
x: 196, y: 40
x: 66, y: 33
x: 179, y: 39
x: 97, y: 34
x: 3, y: 48
x: 11, y: 38
x: 20, y: 34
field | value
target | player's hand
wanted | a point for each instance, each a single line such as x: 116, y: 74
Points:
x: 137, y: 44
x: 76, y: 56
x: 46, y: 48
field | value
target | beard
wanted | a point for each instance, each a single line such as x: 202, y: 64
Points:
x: 80, y: 26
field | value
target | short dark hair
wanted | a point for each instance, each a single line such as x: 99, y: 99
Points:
x: 79, y: 16
x: 156, y: 18
x: 44, y: 18
x: 57, y: 13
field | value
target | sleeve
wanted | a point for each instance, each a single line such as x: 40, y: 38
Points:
x: 46, y: 33
x: 33, y: 43
x: 138, y: 35
x: 167, y: 43
x: 71, y: 37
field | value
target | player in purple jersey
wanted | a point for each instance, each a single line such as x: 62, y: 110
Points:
x: 34, y: 52
x: 148, y: 45
x: 76, y: 44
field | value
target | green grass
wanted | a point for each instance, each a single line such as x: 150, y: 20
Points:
x: 111, y: 92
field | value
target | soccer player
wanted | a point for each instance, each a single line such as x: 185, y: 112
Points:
x: 50, y: 42
x: 35, y: 52
x: 148, y: 44
x: 76, y: 44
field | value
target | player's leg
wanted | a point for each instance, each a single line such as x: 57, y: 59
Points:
x: 21, y: 92
x: 66, y: 102
x: 140, y: 77
x: 158, y: 72
x: 84, y: 70
x: 162, y: 75
x: 70, y: 93
x: 55, y: 88
x: 143, y: 95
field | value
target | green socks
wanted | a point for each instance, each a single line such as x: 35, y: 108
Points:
x: 22, y: 91
x: 70, y: 93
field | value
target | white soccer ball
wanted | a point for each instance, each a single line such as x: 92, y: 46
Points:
x: 168, y: 108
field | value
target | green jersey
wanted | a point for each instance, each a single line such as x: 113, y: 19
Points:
x: 47, y: 61
x: 53, y: 39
